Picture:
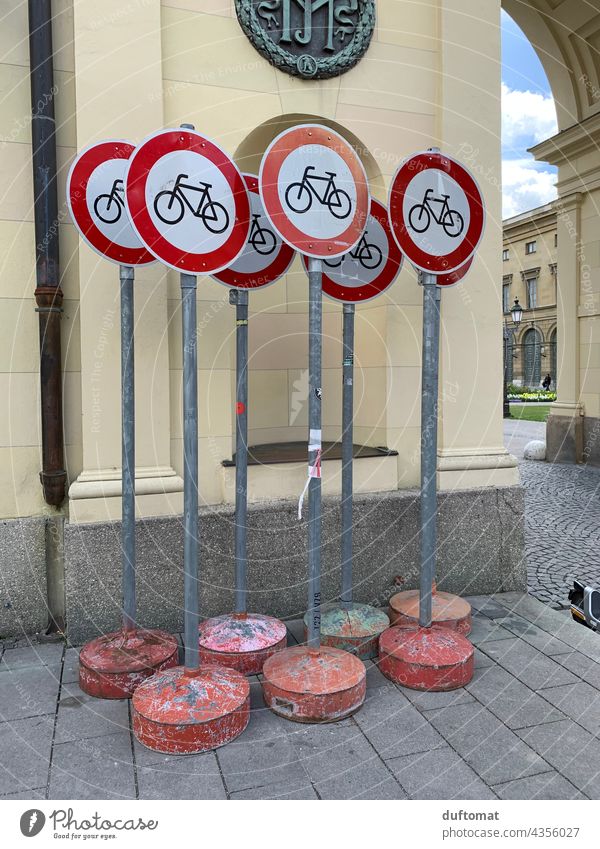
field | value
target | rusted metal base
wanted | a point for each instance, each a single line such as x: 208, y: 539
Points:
x: 242, y: 641
x: 112, y: 666
x: 354, y: 629
x: 314, y: 685
x: 448, y: 610
x: 426, y: 658
x: 183, y: 712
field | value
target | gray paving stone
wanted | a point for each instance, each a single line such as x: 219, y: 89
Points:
x: 579, y: 701
x: 192, y: 777
x: 528, y: 664
x: 439, y: 774
x: 35, y: 793
x: 97, y: 768
x: 36, y: 654
x: 585, y: 668
x: 25, y: 746
x: 272, y: 763
x: 482, y: 660
x: 29, y: 691
x: 538, y: 638
x: 71, y: 667
x: 432, y: 700
x: 571, y: 750
x: 339, y: 761
x: 488, y: 746
x: 275, y: 792
x: 81, y: 716
x: 394, y: 726
x: 484, y: 629
x: 548, y: 785
x: 510, y: 700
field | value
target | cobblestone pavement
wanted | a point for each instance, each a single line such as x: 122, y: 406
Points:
x: 527, y: 726
x: 562, y: 528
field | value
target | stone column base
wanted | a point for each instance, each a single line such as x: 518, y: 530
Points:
x: 564, y: 434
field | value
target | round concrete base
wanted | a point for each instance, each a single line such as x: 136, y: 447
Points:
x: 242, y: 641
x: 448, y: 610
x: 314, y: 685
x: 355, y: 629
x: 183, y: 712
x: 112, y: 666
x: 426, y: 658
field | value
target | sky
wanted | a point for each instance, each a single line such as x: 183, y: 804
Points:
x: 528, y: 117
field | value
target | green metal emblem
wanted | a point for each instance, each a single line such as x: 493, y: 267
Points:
x: 313, y: 39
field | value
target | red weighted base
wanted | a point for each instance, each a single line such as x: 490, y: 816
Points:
x: 112, y: 666
x: 183, y: 712
x: 355, y: 629
x: 314, y: 685
x: 242, y: 641
x: 426, y: 658
x: 448, y: 610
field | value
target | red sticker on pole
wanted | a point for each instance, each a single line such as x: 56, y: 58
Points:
x: 369, y: 268
x: 314, y: 190
x: 266, y: 257
x: 96, y: 201
x: 187, y: 201
x: 436, y: 212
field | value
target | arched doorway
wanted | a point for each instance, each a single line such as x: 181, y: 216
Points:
x: 553, y: 357
x: 532, y: 358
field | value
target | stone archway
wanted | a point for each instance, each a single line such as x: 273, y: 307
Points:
x: 565, y: 35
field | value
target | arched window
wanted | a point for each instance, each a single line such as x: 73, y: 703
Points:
x: 532, y: 358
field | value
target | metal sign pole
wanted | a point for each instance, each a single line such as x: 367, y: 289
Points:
x: 347, y: 451
x: 315, y: 320
x: 429, y: 398
x: 126, y: 275
x: 190, y: 465
x: 239, y: 297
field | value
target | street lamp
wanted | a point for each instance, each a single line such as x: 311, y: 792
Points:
x: 516, y: 313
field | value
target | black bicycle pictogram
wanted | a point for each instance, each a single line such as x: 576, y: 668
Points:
x: 420, y: 215
x: 367, y: 254
x: 170, y: 205
x: 108, y: 206
x: 261, y: 238
x: 299, y: 196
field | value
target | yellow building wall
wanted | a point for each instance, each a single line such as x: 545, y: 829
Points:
x: 126, y: 70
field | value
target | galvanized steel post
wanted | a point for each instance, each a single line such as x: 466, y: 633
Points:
x: 126, y: 275
x: 347, y: 446
x: 239, y: 297
x: 190, y: 468
x: 429, y: 411
x: 315, y: 320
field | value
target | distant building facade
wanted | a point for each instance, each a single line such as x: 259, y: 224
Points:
x: 529, y: 273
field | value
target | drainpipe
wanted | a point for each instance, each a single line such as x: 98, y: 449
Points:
x: 48, y: 294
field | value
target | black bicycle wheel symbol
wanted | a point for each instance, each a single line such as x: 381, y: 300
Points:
x: 339, y: 203
x: 169, y: 207
x: 453, y: 223
x: 215, y: 217
x: 298, y: 197
x: 107, y: 208
x: 263, y: 241
x: 370, y: 256
x: 419, y: 217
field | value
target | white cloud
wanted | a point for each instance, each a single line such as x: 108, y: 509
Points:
x: 527, y: 118
x: 525, y: 185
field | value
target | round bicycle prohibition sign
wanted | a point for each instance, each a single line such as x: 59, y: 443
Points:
x: 96, y: 201
x: 187, y: 201
x: 436, y: 212
x: 369, y: 268
x: 314, y: 190
x: 266, y: 257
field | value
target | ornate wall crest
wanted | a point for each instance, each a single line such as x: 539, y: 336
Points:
x: 313, y: 39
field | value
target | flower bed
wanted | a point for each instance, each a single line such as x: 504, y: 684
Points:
x: 540, y: 395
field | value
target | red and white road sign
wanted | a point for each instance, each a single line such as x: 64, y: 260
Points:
x: 369, y: 268
x: 266, y: 257
x: 314, y: 190
x: 454, y: 277
x: 436, y: 212
x: 96, y: 200
x: 187, y: 201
